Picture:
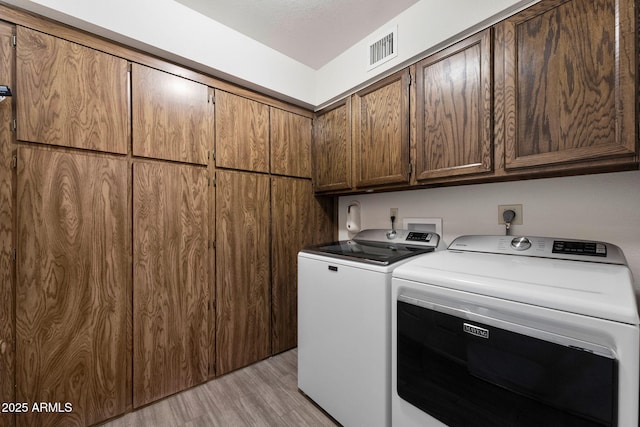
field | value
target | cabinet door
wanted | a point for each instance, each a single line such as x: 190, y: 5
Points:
x: 170, y: 271
x: 292, y: 228
x: 73, y: 293
x: 453, y: 104
x: 331, y: 148
x: 70, y: 95
x: 7, y: 186
x: 290, y: 144
x: 172, y: 116
x: 242, y: 269
x: 567, y: 83
x: 242, y: 133
x: 381, y: 132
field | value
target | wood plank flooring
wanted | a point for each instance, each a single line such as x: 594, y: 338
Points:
x: 263, y: 394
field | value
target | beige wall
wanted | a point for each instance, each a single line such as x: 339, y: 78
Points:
x: 602, y: 207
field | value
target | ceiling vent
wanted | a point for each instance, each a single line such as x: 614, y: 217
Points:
x: 383, y: 48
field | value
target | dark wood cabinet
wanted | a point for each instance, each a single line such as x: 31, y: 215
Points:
x: 170, y: 278
x: 566, y: 85
x: 70, y: 95
x: 381, y: 132
x: 243, y: 299
x: 7, y: 215
x: 242, y: 133
x: 453, y: 111
x: 173, y: 117
x: 331, y: 148
x: 73, y: 290
x: 290, y: 143
x: 298, y: 220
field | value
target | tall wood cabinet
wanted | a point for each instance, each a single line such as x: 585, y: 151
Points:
x: 73, y: 286
x: 566, y: 84
x: 243, y: 301
x: 290, y: 140
x: 381, y: 132
x: 453, y: 111
x: 171, y: 286
x: 70, y: 95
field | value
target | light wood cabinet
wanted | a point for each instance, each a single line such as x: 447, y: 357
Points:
x: 453, y: 111
x: 381, y: 132
x: 242, y: 269
x: 290, y: 143
x: 7, y: 204
x: 566, y: 85
x: 170, y: 278
x: 172, y: 116
x: 73, y: 291
x: 70, y: 95
x: 331, y: 148
x: 242, y: 133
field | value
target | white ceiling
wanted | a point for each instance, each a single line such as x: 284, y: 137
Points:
x: 312, y: 32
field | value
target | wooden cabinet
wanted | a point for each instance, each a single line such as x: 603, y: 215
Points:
x: 331, y: 148
x: 381, y: 132
x: 7, y: 186
x: 242, y: 269
x: 170, y: 273
x: 73, y: 291
x: 70, y: 95
x: 290, y: 143
x: 242, y: 133
x: 566, y: 84
x: 298, y: 220
x: 172, y: 116
x: 453, y: 111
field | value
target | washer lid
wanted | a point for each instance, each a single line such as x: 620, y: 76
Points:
x: 593, y: 289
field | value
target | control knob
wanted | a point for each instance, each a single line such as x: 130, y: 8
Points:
x: 521, y: 243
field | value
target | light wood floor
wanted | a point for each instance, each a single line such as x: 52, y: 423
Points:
x: 263, y: 394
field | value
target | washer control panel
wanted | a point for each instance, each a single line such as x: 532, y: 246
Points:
x: 543, y: 247
x: 399, y: 236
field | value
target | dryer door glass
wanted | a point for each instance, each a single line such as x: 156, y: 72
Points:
x: 470, y: 374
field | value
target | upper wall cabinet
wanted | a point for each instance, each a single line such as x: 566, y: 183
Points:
x: 566, y: 83
x: 242, y: 133
x: 290, y: 144
x: 453, y: 110
x: 70, y: 95
x: 331, y: 149
x: 172, y: 116
x: 381, y: 132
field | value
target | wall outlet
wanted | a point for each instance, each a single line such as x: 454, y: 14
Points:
x: 516, y: 208
x: 393, y: 212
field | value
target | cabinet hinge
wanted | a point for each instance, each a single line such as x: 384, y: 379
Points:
x: 15, y: 255
x: 410, y: 169
x: 14, y: 41
x: 14, y: 162
x: 213, y: 155
x: 212, y: 99
x: 14, y: 125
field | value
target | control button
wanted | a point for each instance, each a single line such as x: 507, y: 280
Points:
x: 520, y: 243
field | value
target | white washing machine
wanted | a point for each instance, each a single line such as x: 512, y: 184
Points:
x: 344, y: 322
x: 503, y: 331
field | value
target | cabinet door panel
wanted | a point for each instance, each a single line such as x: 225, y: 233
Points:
x: 242, y: 133
x: 73, y: 290
x: 331, y: 149
x: 454, y: 110
x: 172, y: 117
x: 569, y: 82
x: 7, y: 186
x: 290, y: 144
x: 70, y: 95
x: 381, y: 132
x: 242, y: 269
x: 170, y: 298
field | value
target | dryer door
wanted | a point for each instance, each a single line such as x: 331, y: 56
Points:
x: 468, y: 373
